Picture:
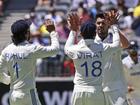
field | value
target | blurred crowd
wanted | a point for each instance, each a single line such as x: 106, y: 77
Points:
x: 57, y: 10
x: 3, y: 4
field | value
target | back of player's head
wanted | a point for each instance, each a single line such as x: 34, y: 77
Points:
x: 19, y: 30
x: 88, y: 30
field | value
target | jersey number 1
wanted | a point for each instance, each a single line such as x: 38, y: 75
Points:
x: 16, y: 67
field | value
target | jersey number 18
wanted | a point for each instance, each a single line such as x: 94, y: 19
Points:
x: 96, y: 68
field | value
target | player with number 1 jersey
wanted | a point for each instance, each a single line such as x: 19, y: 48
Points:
x: 20, y: 59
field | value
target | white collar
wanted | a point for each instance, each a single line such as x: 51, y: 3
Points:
x: 24, y: 42
x: 86, y: 41
x: 97, y: 38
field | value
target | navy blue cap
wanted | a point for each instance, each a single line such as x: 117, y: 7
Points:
x: 88, y: 29
x: 20, y: 27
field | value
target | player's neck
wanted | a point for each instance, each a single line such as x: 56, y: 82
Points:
x: 102, y: 36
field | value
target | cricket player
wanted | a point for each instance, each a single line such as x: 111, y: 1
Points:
x: 114, y: 84
x: 132, y: 72
x: 132, y: 59
x: 20, y: 59
x: 89, y: 58
x: 132, y: 66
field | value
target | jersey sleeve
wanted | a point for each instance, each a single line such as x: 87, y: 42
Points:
x: 128, y: 63
x: 40, y: 51
x: 70, y: 48
x: 115, y: 45
x: 4, y: 77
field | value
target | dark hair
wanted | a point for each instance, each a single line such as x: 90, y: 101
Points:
x: 132, y: 52
x: 19, y: 30
x: 88, y: 30
x: 133, y: 45
x: 100, y: 15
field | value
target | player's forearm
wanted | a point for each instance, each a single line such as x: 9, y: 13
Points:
x: 46, y: 51
x: 71, y: 39
x: 54, y: 47
x: 116, y: 37
x: 124, y: 42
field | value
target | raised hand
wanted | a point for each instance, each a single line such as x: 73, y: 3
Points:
x: 112, y: 17
x: 49, y: 25
x: 73, y: 21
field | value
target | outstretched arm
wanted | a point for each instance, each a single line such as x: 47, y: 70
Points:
x: 116, y: 37
x: 73, y: 22
x: 112, y: 17
x: 124, y: 42
x: 51, y: 50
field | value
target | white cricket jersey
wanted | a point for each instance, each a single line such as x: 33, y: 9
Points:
x: 130, y: 65
x: 113, y: 76
x: 89, y: 59
x: 4, y: 78
x: 128, y: 62
x: 21, y: 60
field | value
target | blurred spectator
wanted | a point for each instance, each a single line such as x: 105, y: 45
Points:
x: 1, y: 7
x: 129, y: 18
x: 136, y: 22
x: 131, y: 3
x: 136, y: 26
x: 44, y: 6
x: 37, y: 28
x: 104, y: 1
x: 75, y: 3
x: 68, y: 67
x: 83, y: 14
x: 89, y: 3
x: 127, y: 22
x: 137, y: 10
x: 43, y: 2
x: 53, y: 15
x: 121, y: 7
x: 62, y: 29
x: 51, y: 66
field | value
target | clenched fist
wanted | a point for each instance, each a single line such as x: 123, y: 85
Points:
x: 49, y: 25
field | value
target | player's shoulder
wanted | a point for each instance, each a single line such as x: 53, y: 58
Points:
x: 8, y: 48
x: 74, y: 48
x: 78, y: 46
x: 34, y: 47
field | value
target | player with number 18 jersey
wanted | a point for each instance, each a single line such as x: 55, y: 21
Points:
x: 89, y: 58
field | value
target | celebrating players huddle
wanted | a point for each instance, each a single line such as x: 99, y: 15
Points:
x: 98, y: 79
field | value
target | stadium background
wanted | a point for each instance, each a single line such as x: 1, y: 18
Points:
x: 54, y: 75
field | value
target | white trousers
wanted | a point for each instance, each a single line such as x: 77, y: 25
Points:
x: 88, y: 95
